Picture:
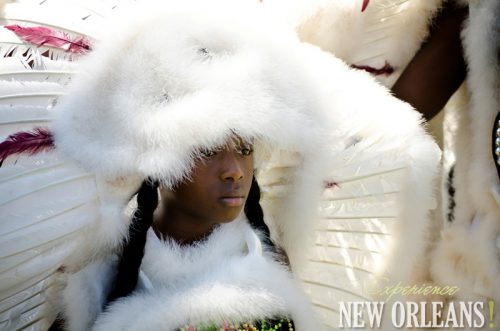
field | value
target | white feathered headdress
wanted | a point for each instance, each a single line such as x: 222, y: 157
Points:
x: 184, y: 77
x: 173, y: 81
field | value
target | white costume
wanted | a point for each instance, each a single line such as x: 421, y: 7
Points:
x: 468, y: 253
x: 382, y: 36
x: 157, y: 88
x: 229, y: 277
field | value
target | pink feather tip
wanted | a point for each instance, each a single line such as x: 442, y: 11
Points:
x: 365, y: 4
x: 41, y: 36
x: 386, y: 70
x: 330, y: 184
x: 31, y: 142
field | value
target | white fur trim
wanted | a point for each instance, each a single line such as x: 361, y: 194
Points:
x: 85, y: 294
x: 467, y: 255
x: 482, y: 44
x: 387, y: 31
x: 475, y: 172
x: 217, y: 280
x: 392, y: 125
x: 468, y: 258
x: 133, y: 105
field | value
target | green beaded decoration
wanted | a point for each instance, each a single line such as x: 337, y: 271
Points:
x: 263, y: 325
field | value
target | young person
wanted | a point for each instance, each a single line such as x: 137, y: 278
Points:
x: 190, y: 110
x: 175, y: 98
x: 202, y: 248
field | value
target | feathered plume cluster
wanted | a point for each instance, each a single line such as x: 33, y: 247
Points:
x: 31, y: 142
x: 43, y: 36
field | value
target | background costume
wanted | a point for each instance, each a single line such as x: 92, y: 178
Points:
x: 170, y: 76
x: 470, y: 190
x: 381, y: 37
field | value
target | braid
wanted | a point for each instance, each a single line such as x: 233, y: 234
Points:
x: 255, y: 216
x: 254, y: 213
x: 133, y: 251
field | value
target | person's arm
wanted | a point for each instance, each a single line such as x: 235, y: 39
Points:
x: 438, y: 68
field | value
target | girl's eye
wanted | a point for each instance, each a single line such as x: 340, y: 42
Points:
x: 208, y: 153
x: 246, y: 151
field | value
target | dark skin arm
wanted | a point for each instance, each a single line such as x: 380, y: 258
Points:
x: 438, y: 68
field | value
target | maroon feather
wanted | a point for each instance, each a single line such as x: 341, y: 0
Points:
x: 365, y: 4
x: 386, y: 70
x: 41, y: 36
x: 330, y: 184
x: 31, y: 142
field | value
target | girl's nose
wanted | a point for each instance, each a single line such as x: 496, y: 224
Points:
x: 231, y: 168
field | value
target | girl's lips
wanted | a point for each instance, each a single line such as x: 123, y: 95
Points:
x: 233, y: 201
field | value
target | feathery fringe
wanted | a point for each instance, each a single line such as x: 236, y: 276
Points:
x: 42, y: 36
x: 31, y: 142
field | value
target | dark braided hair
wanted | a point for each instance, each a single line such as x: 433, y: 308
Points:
x: 133, y: 251
x: 255, y: 215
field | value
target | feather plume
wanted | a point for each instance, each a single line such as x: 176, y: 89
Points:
x: 365, y: 4
x: 43, y: 36
x: 330, y: 184
x: 31, y: 142
x: 386, y: 70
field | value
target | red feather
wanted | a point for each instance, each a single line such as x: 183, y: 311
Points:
x: 330, y: 184
x: 365, y: 4
x: 41, y: 36
x: 386, y: 70
x: 31, y: 142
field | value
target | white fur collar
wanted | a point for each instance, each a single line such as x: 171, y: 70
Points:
x: 227, y: 277
x: 166, y: 263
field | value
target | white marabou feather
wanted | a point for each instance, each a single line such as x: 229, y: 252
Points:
x: 387, y: 31
x: 314, y: 120
x: 85, y: 294
x: 234, y: 284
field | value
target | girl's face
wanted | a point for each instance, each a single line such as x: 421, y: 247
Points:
x: 219, y: 185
